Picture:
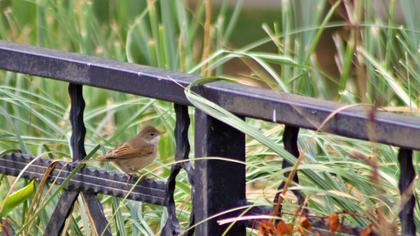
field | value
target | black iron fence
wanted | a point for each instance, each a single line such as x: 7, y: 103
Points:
x: 211, y: 180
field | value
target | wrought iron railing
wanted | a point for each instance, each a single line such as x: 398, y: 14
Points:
x: 211, y: 180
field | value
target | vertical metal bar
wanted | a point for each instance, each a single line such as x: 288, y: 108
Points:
x: 407, y: 175
x: 290, y: 139
x: 61, y: 212
x: 219, y: 184
x: 78, y: 149
x: 172, y: 226
x: 97, y: 217
x: 77, y: 108
x: 67, y: 199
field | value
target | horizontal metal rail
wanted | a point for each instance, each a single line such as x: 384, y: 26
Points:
x: 305, y: 112
x: 87, y: 180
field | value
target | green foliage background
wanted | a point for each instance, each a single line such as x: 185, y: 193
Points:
x: 169, y: 34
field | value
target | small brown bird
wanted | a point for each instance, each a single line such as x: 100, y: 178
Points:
x: 136, y: 153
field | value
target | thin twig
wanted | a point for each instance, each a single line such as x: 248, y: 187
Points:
x: 277, y: 208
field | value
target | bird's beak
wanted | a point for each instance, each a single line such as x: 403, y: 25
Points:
x: 162, y: 132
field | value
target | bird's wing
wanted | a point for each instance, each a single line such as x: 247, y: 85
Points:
x: 126, y: 151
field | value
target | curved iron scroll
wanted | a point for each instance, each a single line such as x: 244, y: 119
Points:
x: 67, y: 199
x: 172, y: 226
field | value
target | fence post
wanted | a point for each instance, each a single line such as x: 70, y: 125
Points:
x: 219, y: 184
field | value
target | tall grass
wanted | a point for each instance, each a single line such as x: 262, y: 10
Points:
x: 377, y: 60
x: 164, y: 34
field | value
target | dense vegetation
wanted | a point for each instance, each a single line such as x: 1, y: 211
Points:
x: 337, y: 50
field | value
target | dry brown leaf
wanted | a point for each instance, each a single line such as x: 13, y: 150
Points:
x: 284, y: 229
x: 366, y: 231
x: 266, y: 228
x: 305, y: 223
x: 333, y: 222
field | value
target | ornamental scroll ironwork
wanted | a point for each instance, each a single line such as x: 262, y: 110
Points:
x: 67, y: 199
x: 172, y: 226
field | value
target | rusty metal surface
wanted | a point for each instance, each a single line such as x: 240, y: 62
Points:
x: 87, y: 180
x: 290, y: 109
